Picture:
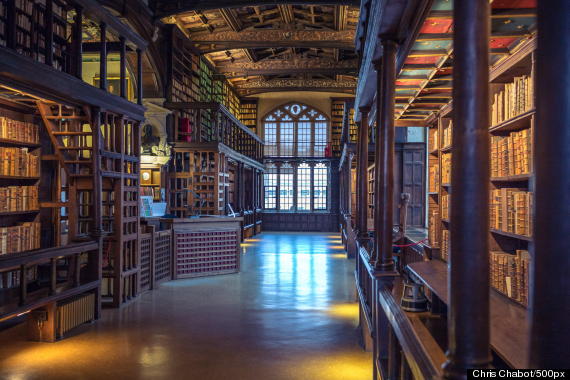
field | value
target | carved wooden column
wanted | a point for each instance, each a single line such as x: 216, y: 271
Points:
x: 384, y: 170
x: 468, y: 316
x: 139, y: 77
x: 103, y: 58
x: 97, y: 230
x: 550, y: 262
x: 78, y: 42
x: 362, y: 175
x: 377, y: 158
x: 123, y: 67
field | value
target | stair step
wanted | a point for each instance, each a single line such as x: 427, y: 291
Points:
x: 72, y: 133
x: 74, y: 148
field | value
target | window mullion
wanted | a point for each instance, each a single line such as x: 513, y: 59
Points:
x: 312, y: 186
x: 295, y: 176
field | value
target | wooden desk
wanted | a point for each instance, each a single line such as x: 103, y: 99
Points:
x: 205, y: 246
x: 509, y: 321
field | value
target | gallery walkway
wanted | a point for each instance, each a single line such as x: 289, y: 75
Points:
x: 289, y: 315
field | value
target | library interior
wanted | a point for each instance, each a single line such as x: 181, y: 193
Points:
x: 283, y: 190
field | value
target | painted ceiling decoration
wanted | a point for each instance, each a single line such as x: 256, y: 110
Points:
x: 424, y: 84
x: 262, y: 47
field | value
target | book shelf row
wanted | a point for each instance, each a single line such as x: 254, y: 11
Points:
x: 18, y: 131
x: 511, y: 155
x: 514, y: 99
x: 511, y: 170
x: 18, y: 198
x: 19, y: 162
x: 21, y: 237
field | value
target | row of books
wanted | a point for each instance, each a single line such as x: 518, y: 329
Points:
x: 21, y: 131
x: 510, y: 210
x: 514, y: 99
x: 433, y: 178
x: 510, y: 274
x: 445, y: 206
x: 446, y: 168
x: 447, y: 135
x: 445, y: 244
x: 11, y: 279
x: 433, y: 220
x: 434, y: 140
x: 19, y: 162
x: 511, y: 155
x: 18, y: 198
x: 26, y: 6
x: 23, y: 237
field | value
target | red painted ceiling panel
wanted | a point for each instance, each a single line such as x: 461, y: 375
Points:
x: 408, y: 82
x: 501, y: 42
x: 423, y: 60
x: 436, y: 26
x: 513, y: 4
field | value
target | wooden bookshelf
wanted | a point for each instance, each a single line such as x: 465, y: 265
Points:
x: 337, y: 118
x: 511, y: 191
x: 248, y: 114
x: 151, y: 182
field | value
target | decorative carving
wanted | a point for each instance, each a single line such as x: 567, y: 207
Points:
x: 274, y: 36
x: 155, y: 148
x: 292, y: 65
x: 298, y: 83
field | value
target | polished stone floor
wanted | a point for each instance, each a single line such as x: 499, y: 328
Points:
x: 289, y: 315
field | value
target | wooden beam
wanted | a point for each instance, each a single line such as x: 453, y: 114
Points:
x: 268, y: 38
x: 340, y: 17
x: 163, y: 8
x: 286, y: 12
x: 297, y: 83
x: 231, y: 18
x: 289, y: 66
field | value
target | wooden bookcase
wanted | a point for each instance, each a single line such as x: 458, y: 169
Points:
x: 248, y: 114
x: 337, y: 119
x: 120, y: 169
x: 511, y: 190
x: 45, y: 261
x: 152, y: 181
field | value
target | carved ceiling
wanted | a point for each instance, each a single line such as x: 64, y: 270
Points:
x: 263, y: 48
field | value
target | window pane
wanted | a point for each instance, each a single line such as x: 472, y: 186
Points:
x: 286, y: 188
x: 270, y: 137
x: 304, y: 137
x: 270, y: 187
x: 286, y: 134
x: 304, y: 187
x: 320, y: 187
x: 321, y: 127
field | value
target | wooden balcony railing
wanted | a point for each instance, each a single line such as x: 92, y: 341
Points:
x: 211, y: 122
x: 53, y: 33
x: 32, y: 279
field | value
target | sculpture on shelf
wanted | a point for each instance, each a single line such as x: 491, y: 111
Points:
x: 150, y: 143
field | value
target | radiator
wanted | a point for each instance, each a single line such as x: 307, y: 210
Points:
x: 75, y: 312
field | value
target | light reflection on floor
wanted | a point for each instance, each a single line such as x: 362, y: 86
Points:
x: 289, y: 315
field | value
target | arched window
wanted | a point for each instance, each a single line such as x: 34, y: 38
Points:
x: 295, y: 130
